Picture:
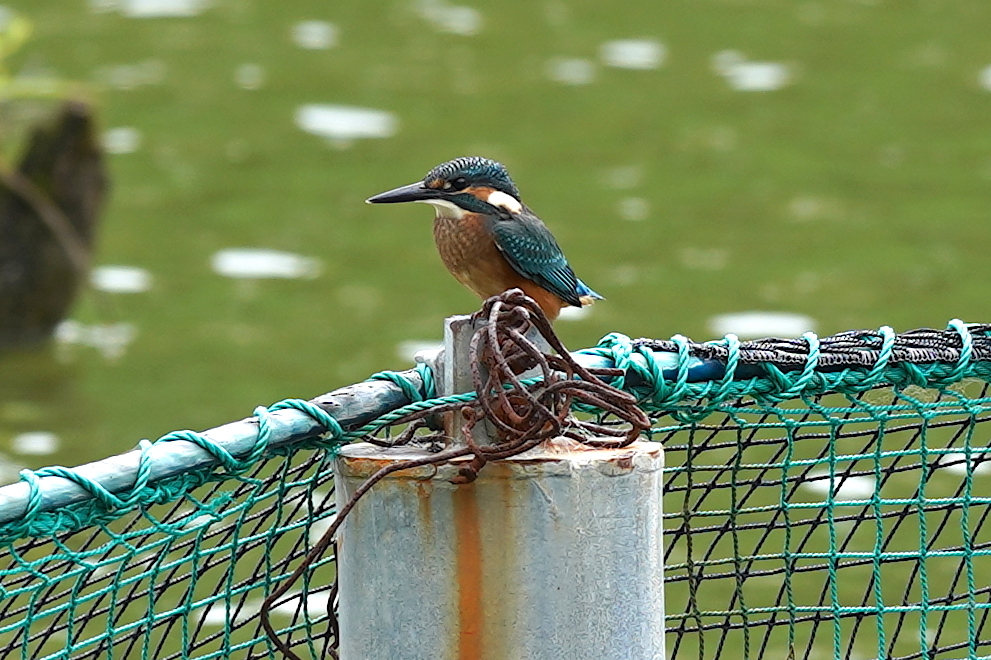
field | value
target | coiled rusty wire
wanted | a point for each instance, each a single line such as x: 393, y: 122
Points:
x: 524, y: 416
x: 521, y: 415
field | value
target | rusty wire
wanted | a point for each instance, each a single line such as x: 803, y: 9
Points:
x: 524, y: 416
x: 521, y: 415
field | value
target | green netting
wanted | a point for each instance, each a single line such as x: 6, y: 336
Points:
x: 812, y: 512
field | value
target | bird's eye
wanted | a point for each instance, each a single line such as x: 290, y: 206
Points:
x: 459, y: 184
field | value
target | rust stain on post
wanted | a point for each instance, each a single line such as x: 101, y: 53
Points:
x: 511, y: 565
x: 423, y: 496
x: 468, y: 540
x: 504, y: 570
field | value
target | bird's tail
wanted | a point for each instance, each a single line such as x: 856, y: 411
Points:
x: 585, y: 295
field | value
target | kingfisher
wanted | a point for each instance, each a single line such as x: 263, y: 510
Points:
x: 489, y: 239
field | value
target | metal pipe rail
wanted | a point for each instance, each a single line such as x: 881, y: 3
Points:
x: 352, y: 406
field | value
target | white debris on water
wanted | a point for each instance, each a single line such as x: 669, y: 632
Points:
x: 571, y: 70
x: 10, y: 470
x: 260, y: 263
x: 111, y: 339
x: 624, y: 275
x: 623, y: 177
x: 131, y: 76
x: 634, y: 209
x: 318, y: 528
x: 321, y: 498
x: 219, y: 614
x: 745, y: 76
x: 121, y: 140
x: 314, y: 35
x: 249, y: 76
x: 120, y: 279
x: 843, y: 488
x: 159, y: 8
x: 7, y: 18
x: 957, y: 464
x: 752, y: 325
x: 35, y: 443
x: 704, y: 258
x: 633, y: 53
x: 454, y: 19
x: 342, y: 123
x: 316, y: 605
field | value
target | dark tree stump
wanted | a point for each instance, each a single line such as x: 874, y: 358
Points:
x: 49, y: 209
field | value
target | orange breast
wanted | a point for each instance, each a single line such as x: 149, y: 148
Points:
x: 470, y: 254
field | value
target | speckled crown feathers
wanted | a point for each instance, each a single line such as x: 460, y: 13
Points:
x: 478, y: 171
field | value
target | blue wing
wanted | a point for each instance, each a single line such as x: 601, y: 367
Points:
x: 531, y: 250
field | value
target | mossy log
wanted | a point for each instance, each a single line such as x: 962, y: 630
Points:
x: 49, y: 209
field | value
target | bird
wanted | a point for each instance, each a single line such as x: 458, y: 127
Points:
x: 489, y: 239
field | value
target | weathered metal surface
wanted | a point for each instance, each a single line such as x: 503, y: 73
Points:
x: 458, y: 331
x: 352, y: 406
x: 548, y: 555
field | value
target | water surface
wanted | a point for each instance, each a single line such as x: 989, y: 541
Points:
x: 822, y: 160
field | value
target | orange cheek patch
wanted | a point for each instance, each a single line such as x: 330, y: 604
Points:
x: 481, y: 192
x: 435, y: 183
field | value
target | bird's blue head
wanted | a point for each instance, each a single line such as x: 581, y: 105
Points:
x: 471, y: 171
x: 469, y: 184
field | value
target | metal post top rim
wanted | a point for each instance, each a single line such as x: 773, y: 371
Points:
x: 556, y: 457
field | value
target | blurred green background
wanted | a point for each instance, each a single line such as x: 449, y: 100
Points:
x: 829, y: 159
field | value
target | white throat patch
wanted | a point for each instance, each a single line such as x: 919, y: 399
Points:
x: 445, y: 209
x: 502, y: 200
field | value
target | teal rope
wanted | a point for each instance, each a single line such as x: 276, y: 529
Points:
x: 732, y: 361
x: 142, y: 493
x: 659, y: 395
x: 968, y: 543
x: 920, y: 507
x: 112, y: 505
x: 884, y: 355
x: 882, y: 638
x: 686, y: 401
x: 833, y: 559
x: 409, y: 388
x: 963, y: 364
x: 676, y: 393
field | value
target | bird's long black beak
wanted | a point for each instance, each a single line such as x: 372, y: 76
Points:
x: 414, y: 192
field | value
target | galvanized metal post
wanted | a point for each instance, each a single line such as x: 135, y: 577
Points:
x: 550, y: 555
